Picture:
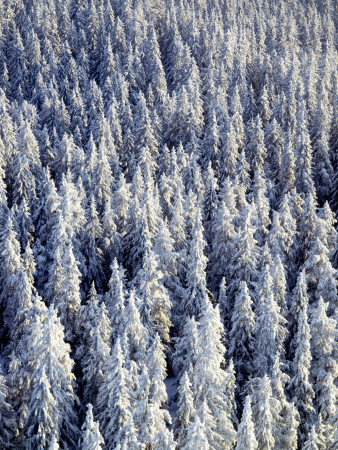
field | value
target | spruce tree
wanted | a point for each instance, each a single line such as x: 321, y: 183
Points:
x: 246, y: 439
x: 91, y: 436
x: 300, y: 386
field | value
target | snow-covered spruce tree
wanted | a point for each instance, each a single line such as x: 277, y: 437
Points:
x: 196, y: 295
x: 136, y: 333
x: 91, y: 437
x: 186, y: 410
x: 263, y: 414
x: 322, y: 276
x: 113, y: 401
x: 43, y: 415
x: 245, y: 254
x: 286, y: 417
x: 186, y: 347
x: 246, y: 439
x: 155, y: 301
x: 52, y: 378
x: 64, y: 288
x: 196, y: 437
x: 92, y: 248
x: 210, y: 380
x: 312, y: 442
x: 241, y: 336
x: 300, y: 386
x: 223, y: 237
x: 96, y: 350
x: 7, y: 416
x: 10, y: 265
x: 299, y: 300
x: 115, y: 299
x: 323, y: 366
x: 168, y: 261
x: 270, y: 327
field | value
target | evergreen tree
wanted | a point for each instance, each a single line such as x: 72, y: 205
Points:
x: 7, y: 416
x: 263, y: 414
x: 113, y: 401
x: 196, y: 295
x: 241, y: 339
x: 312, y: 443
x: 52, y: 399
x: 186, y: 410
x: 246, y: 439
x: 270, y: 330
x: 323, y: 336
x: 115, y: 300
x: 156, y: 305
x: 210, y: 380
x: 196, y: 437
x: 97, y: 348
x: 91, y: 436
x: 10, y: 265
x: 300, y: 386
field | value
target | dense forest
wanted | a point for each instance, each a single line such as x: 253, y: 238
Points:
x: 168, y: 232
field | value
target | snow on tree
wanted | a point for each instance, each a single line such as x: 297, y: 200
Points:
x: 113, y: 400
x: 263, y: 414
x: 196, y: 437
x: 10, y: 265
x: 135, y: 331
x: 186, y: 410
x: 270, y: 330
x: 312, y: 442
x: 246, y: 439
x: 300, y: 386
x: 186, y: 347
x: 7, y: 415
x: 115, y: 299
x: 51, y: 379
x: 241, y: 335
x: 96, y: 350
x: 210, y: 380
x: 155, y: 302
x: 323, y: 366
x: 196, y: 295
x: 91, y: 436
x: 244, y: 257
x: 43, y: 417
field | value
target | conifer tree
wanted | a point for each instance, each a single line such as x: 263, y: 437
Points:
x: 270, y: 329
x: 52, y: 379
x: 209, y: 385
x: 135, y: 331
x: 312, y: 442
x: 91, y: 436
x: 113, y: 401
x: 7, y: 416
x: 10, y: 265
x: 323, y: 336
x: 115, y: 300
x: 196, y: 437
x: 196, y: 295
x: 300, y: 385
x: 97, y: 348
x: 263, y: 414
x: 246, y: 439
x: 186, y: 347
x: 156, y: 305
x: 241, y: 338
x: 186, y: 410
